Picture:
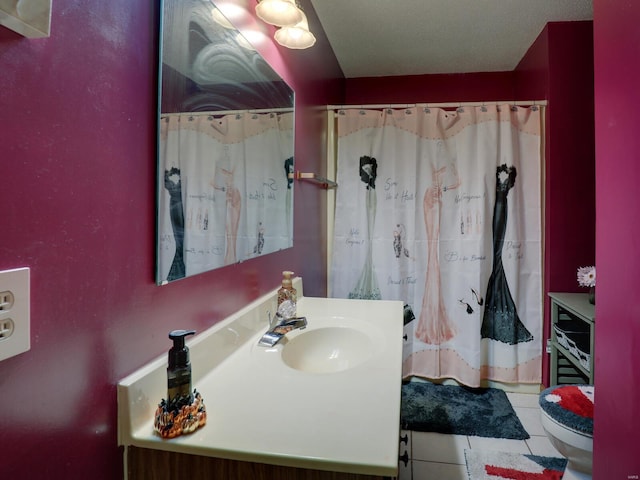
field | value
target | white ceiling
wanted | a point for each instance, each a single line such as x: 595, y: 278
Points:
x: 373, y: 38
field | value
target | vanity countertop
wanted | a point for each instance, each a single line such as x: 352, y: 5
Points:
x: 261, y: 410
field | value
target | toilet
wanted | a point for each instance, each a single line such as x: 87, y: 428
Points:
x: 567, y: 419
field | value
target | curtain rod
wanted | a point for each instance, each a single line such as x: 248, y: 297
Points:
x: 229, y: 112
x: 519, y: 103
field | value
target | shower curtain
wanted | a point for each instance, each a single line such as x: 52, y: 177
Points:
x: 442, y: 210
x: 224, y: 195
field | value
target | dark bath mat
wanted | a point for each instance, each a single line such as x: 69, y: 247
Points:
x: 481, y: 412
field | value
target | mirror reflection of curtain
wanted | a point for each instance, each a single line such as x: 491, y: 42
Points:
x: 442, y: 241
x: 286, y: 128
x: 170, y: 240
x: 226, y: 194
x: 268, y: 196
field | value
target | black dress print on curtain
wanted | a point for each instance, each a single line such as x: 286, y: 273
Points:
x: 176, y: 213
x: 260, y: 241
x: 288, y: 208
x: 367, y: 286
x: 398, y: 235
x: 500, y: 321
x: 288, y: 170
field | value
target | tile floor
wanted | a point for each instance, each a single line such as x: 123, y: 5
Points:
x: 434, y: 456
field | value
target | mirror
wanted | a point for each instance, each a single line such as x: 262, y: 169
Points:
x: 225, y: 146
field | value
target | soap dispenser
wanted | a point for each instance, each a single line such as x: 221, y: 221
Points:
x: 287, y: 292
x: 179, y: 390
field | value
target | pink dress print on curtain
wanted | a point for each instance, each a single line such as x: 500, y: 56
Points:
x: 234, y: 204
x: 434, y: 326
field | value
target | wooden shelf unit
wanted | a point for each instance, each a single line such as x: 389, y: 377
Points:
x: 567, y: 366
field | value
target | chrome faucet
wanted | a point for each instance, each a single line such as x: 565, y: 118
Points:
x: 280, y: 329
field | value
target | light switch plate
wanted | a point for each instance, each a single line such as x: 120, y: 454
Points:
x: 15, y: 323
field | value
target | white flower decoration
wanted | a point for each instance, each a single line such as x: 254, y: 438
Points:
x: 587, y: 276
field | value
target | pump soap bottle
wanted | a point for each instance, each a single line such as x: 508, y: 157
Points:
x: 179, y: 390
x: 287, y: 293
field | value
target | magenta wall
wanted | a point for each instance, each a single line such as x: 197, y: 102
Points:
x: 570, y: 240
x: 617, y: 96
x: 558, y: 67
x: 77, y: 113
x: 465, y: 87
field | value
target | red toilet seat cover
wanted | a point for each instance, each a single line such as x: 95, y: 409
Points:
x: 570, y: 406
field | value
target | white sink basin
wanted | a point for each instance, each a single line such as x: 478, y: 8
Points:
x: 329, y: 344
x: 327, y: 349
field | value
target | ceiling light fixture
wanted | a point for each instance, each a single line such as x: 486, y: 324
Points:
x: 279, y: 12
x: 296, y: 36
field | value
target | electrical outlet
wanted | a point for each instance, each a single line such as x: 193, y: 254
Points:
x: 15, y: 328
x: 6, y: 301
x: 6, y: 328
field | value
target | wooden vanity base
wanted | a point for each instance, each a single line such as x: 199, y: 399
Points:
x: 148, y: 464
